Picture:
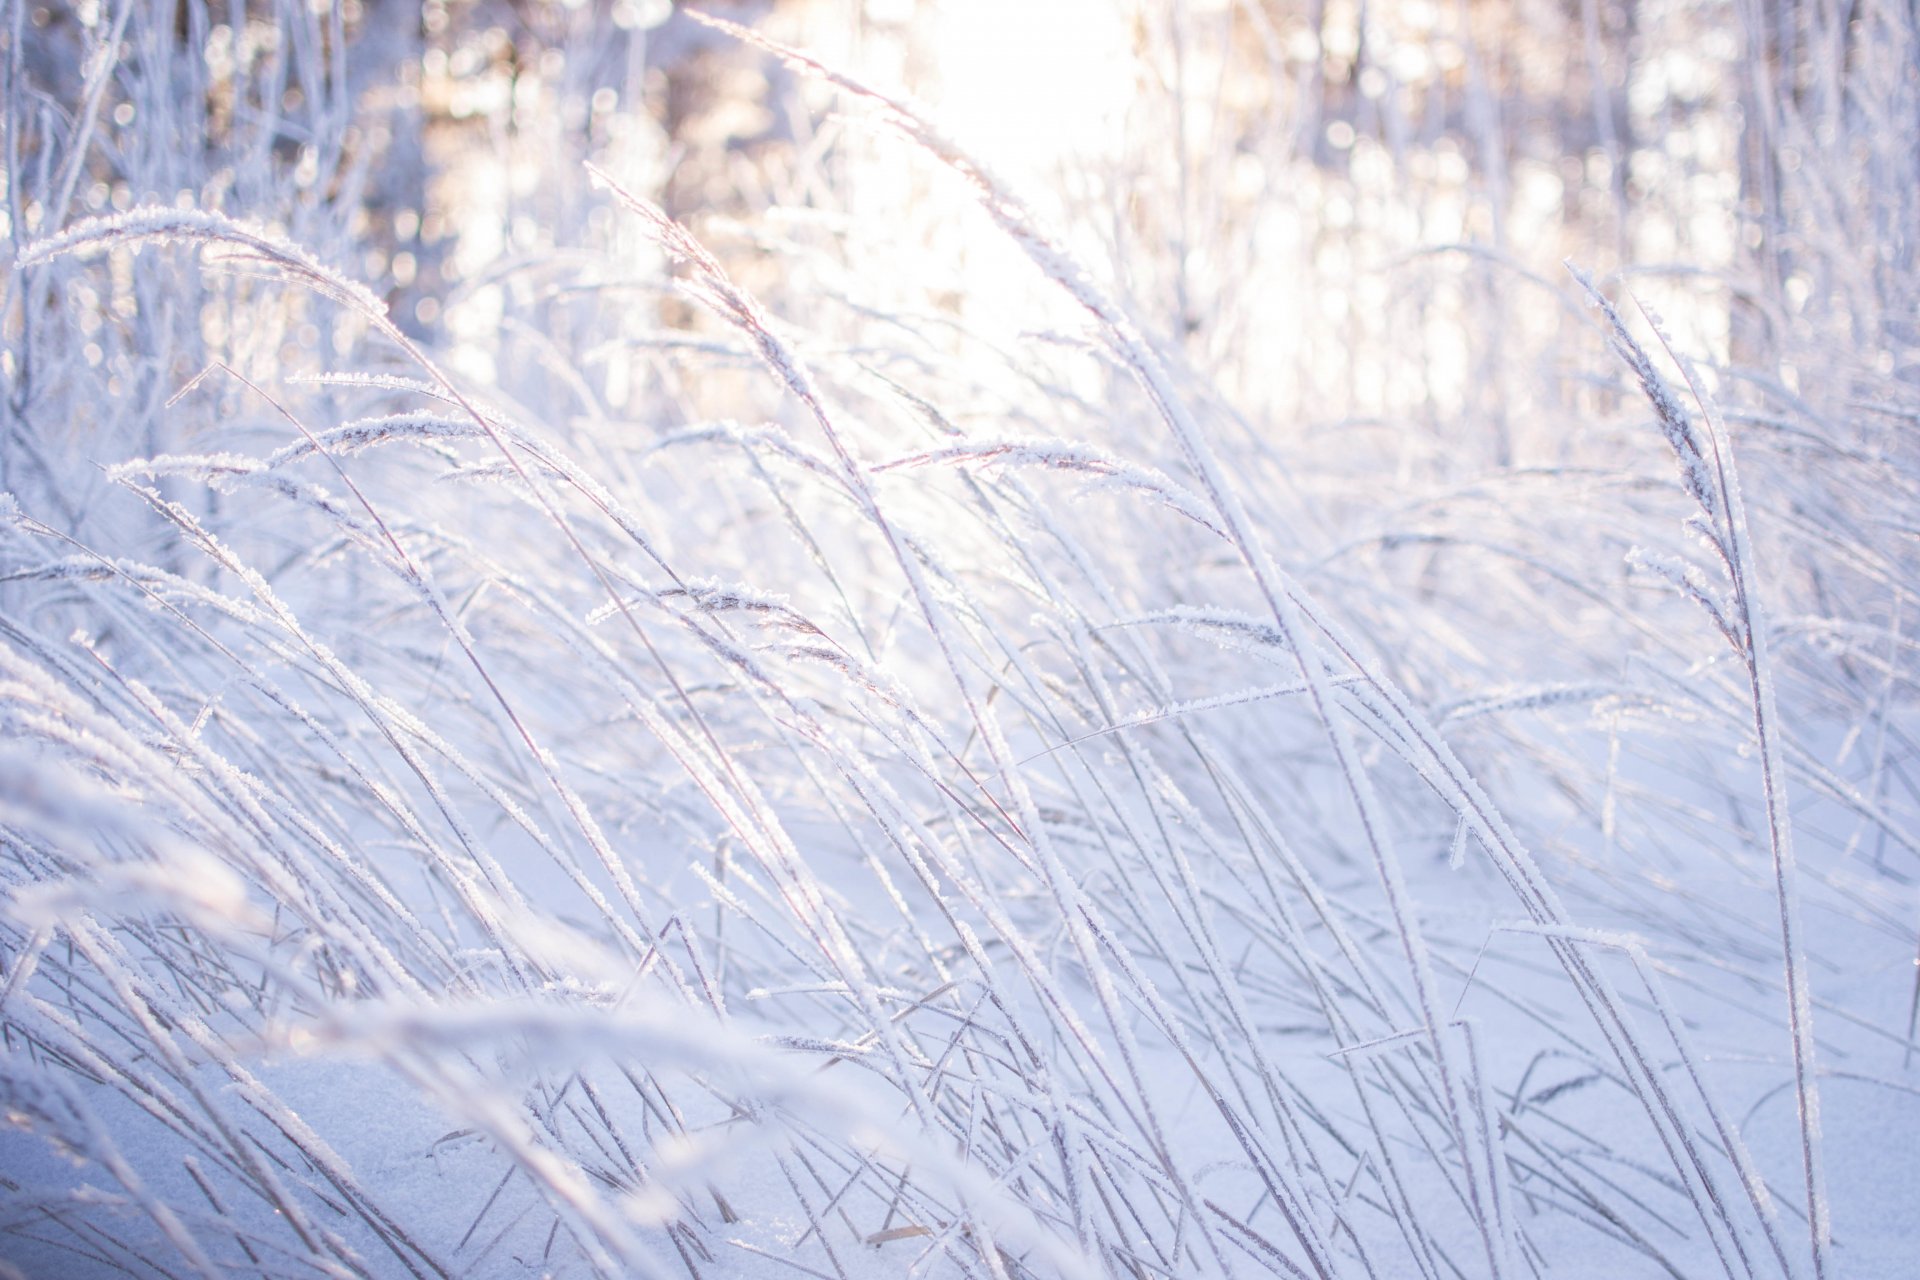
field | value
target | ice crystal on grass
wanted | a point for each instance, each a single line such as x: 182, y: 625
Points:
x: 607, y: 669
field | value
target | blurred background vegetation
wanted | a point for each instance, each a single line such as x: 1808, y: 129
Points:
x: 1340, y: 225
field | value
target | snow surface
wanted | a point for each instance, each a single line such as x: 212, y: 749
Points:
x: 618, y: 657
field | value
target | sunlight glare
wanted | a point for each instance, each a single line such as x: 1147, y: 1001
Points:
x: 1025, y: 86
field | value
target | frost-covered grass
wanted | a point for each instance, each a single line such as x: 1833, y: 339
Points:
x: 897, y: 721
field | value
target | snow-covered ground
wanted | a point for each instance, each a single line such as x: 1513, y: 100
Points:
x: 625, y: 651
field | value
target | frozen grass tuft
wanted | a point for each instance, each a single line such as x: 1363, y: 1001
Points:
x: 589, y: 693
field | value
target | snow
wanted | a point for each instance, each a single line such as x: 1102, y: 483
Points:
x: 619, y: 658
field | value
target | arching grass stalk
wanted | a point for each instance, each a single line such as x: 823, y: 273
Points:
x: 1708, y: 475
x: 1135, y: 354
